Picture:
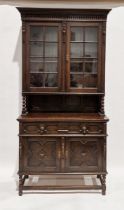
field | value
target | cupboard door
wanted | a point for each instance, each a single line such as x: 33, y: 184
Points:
x: 44, y: 57
x: 83, y: 57
x: 41, y: 154
x: 84, y: 154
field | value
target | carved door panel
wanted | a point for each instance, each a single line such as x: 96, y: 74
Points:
x: 84, y: 154
x: 41, y: 154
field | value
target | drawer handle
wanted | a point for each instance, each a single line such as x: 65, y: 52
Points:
x: 83, y: 154
x: 84, y: 130
x: 66, y: 131
x: 42, y: 129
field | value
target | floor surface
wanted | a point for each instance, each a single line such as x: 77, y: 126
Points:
x: 114, y: 200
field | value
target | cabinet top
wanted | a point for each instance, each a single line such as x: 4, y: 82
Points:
x: 77, y: 117
x: 63, y: 13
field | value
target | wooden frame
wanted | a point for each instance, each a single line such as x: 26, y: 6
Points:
x: 56, y: 122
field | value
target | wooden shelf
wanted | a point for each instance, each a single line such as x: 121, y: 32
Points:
x: 62, y: 117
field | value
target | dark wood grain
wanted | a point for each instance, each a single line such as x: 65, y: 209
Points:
x: 62, y: 128
x: 62, y: 117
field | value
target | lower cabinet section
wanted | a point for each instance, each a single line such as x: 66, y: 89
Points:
x: 62, y: 154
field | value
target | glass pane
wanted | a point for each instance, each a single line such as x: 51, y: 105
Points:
x: 91, y: 67
x: 76, y: 67
x: 90, y: 80
x: 76, y: 34
x: 36, y: 80
x: 36, y: 60
x: 36, y: 49
x: 51, y: 50
x: 51, y: 67
x: 76, y: 80
x: 36, y: 67
x: 54, y: 60
x: 51, y: 34
x: 91, y: 34
x: 51, y: 80
x: 90, y: 50
x: 36, y: 33
x: 76, y: 50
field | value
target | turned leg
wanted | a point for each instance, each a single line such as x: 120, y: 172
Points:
x: 103, y: 184
x: 20, y: 185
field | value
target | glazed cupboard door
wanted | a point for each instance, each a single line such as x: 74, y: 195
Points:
x: 83, y: 57
x: 43, y: 63
x: 40, y: 154
x: 84, y: 154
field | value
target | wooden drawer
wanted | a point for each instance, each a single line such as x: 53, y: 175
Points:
x: 93, y: 128
x: 63, y: 128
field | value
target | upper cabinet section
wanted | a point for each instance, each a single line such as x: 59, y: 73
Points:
x: 63, y: 50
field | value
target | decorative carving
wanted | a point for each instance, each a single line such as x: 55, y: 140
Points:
x: 104, y: 32
x: 83, y: 155
x: 84, y: 141
x: 20, y: 149
x: 61, y: 14
x: 23, y: 28
x: 24, y: 105
x: 42, y: 129
x: 102, y: 105
x: 63, y: 148
x: 41, y: 154
x: 62, y: 153
x: 20, y: 185
x: 91, y: 129
x: 64, y: 31
x: 84, y: 130
x: 64, y: 27
x: 103, y: 178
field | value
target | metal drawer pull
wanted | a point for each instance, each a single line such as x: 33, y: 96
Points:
x: 63, y: 130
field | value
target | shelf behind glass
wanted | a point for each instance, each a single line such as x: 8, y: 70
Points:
x: 83, y: 80
x: 43, y: 80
